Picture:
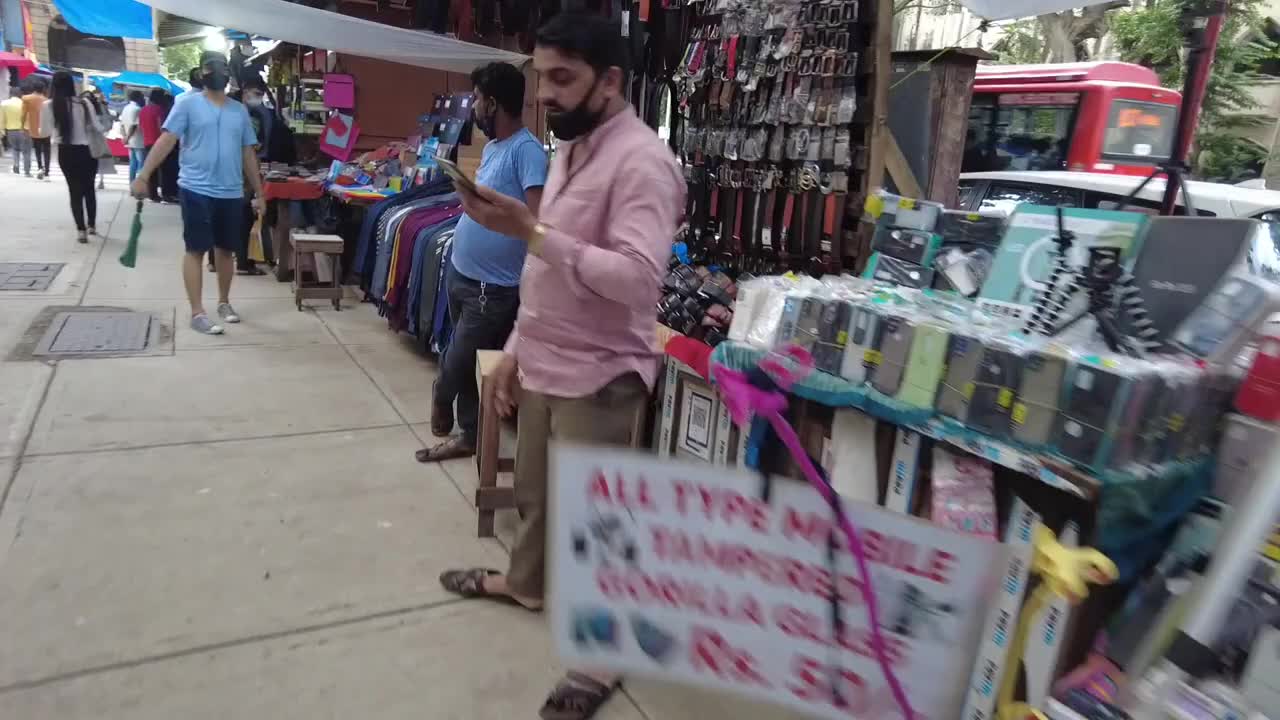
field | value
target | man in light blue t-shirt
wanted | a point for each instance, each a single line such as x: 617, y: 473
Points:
x: 217, y: 158
x: 484, y: 277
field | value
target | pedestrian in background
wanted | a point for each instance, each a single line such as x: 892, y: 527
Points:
x: 132, y: 132
x: 150, y: 120
x: 581, y: 361
x: 72, y: 119
x: 15, y: 133
x: 106, y: 165
x: 34, y: 102
x: 219, y: 156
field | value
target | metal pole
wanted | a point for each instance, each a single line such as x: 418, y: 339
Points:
x: 1202, y: 45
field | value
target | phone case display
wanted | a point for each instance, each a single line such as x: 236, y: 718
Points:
x: 833, y: 336
x: 862, y: 354
x: 914, y: 246
x: 1220, y: 327
x: 889, y: 269
x: 964, y: 354
x: 902, y: 212
x: 895, y: 349
x: 1039, y: 394
x: 994, y: 387
x: 1028, y: 254
x: 967, y: 231
x: 924, y: 366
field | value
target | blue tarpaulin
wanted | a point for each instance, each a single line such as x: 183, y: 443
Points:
x: 146, y: 80
x: 117, y: 18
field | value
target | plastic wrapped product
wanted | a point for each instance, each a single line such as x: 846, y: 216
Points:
x: 963, y: 493
x: 903, y: 212
x: 888, y: 269
x: 924, y: 366
x: 964, y: 354
x: 995, y: 388
x: 1035, y: 410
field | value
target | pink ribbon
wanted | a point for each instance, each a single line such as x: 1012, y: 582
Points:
x: 743, y: 399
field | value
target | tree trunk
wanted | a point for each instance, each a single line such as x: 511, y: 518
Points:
x: 1059, y: 36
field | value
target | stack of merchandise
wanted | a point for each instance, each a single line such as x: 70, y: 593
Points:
x: 919, y: 244
x: 697, y: 301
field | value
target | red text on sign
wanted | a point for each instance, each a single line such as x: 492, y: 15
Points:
x: 806, y: 625
x: 709, y: 651
x: 631, y: 493
x: 679, y: 594
x: 721, y: 504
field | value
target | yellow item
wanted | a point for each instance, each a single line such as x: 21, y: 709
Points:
x: 1064, y: 572
x: 13, y: 114
x: 255, y: 242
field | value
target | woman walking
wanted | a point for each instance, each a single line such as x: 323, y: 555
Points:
x: 73, y: 119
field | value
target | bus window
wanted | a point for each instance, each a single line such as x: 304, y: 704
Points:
x: 1139, y: 131
x: 1021, y: 131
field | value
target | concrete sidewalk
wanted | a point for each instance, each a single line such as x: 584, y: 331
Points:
x: 235, y: 527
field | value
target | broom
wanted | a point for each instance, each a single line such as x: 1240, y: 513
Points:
x: 129, y: 257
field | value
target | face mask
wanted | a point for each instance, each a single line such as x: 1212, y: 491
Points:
x: 488, y: 124
x: 573, y: 124
x: 217, y: 79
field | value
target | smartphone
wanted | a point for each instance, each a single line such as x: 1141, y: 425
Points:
x: 455, y: 173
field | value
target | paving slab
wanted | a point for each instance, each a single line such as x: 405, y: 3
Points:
x: 198, y: 396
x: 403, y: 373
x: 116, y: 556
x: 21, y: 387
x: 16, y: 314
x: 358, y: 324
x: 263, y: 322
x: 467, y: 661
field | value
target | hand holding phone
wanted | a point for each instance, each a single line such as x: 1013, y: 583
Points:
x: 455, y: 173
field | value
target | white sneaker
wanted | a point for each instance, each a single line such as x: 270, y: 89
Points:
x: 202, y: 324
x: 228, y: 313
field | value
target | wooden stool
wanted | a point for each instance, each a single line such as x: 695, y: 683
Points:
x: 489, y: 497
x: 329, y: 246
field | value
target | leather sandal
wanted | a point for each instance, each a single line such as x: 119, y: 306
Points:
x: 469, y: 584
x: 454, y: 447
x: 576, y: 697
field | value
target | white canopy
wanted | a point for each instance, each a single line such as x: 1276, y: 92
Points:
x: 303, y: 25
x: 1009, y: 9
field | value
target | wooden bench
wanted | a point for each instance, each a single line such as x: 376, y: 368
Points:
x: 325, y: 248
x: 489, y: 496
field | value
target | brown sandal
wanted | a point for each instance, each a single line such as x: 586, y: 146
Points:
x: 469, y: 584
x: 576, y: 697
x: 454, y: 447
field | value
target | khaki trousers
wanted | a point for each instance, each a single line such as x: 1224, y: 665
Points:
x: 607, y: 417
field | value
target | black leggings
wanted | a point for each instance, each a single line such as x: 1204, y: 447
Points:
x: 42, y: 147
x: 81, y: 172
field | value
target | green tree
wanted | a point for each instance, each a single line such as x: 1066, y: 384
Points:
x: 177, y: 60
x: 1151, y: 36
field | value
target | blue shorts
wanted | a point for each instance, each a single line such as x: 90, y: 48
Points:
x: 210, y: 222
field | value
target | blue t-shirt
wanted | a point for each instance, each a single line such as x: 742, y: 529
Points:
x: 213, y: 139
x: 509, y: 166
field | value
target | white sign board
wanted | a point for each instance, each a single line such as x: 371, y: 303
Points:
x: 681, y: 571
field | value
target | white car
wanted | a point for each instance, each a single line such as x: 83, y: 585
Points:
x: 1005, y: 190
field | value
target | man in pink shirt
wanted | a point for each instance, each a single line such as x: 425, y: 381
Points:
x: 580, y: 362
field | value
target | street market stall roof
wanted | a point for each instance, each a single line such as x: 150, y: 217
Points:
x: 1010, y: 9
x: 25, y: 66
x: 105, y: 82
x: 330, y: 31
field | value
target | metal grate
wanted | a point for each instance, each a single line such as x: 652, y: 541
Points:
x: 92, y: 333
x: 28, y: 276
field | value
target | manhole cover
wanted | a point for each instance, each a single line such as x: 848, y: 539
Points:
x: 28, y: 276
x: 81, y: 333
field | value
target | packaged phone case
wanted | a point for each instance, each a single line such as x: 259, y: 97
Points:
x: 964, y: 354
x: 994, y: 390
x: 914, y: 246
x: 1035, y: 410
x: 861, y: 356
x: 963, y: 493
x: 903, y: 212
x: 894, y: 351
x: 888, y: 269
x: 924, y: 366
x: 833, y: 336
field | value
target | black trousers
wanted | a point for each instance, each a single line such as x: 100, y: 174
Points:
x: 80, y: 169
x: 169, y: 174
x: 43, y: 148
x: 483, y: 315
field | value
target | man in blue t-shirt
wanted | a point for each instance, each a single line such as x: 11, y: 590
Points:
x: 484, y: 277
x: 217, y: 158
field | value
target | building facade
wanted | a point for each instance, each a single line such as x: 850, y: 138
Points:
x: 58, y: 44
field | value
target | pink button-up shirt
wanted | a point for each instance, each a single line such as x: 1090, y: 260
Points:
x: 587, y: 301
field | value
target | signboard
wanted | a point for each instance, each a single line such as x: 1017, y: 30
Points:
x: 1022, y: 99
x: 681, y: 571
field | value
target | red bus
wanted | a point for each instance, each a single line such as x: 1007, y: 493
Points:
x: 1107, y: 117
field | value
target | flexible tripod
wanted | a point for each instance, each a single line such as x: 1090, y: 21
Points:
x: 1101, y: 277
